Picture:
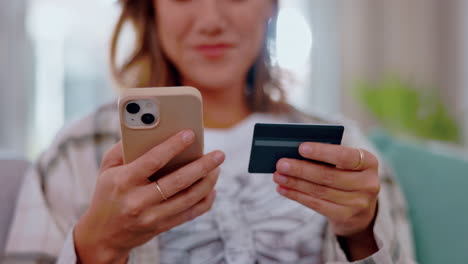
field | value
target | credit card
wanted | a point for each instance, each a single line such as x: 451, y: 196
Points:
x: 271, y: 142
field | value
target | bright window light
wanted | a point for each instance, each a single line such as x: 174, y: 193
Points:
x: 294, y: 39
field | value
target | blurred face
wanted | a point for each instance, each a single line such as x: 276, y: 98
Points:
x: 213, y: 43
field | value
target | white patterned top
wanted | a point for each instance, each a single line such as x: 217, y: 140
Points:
x: 249, y: 222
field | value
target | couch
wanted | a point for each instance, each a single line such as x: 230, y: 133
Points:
x: 435, y: 184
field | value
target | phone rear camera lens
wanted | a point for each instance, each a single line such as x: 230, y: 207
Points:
x: 148, y: 119
x: 133, y: 108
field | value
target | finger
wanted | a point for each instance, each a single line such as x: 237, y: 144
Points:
x: 186, y: 176
x: 332, y: 211
x: 321, y: 174
x: 199, y: 209
x: 320, y: 191
x: 182, y: 201
x: 149, y: 195
x: 343, y: 157
x: 160, y: 155
x: 113, y: 157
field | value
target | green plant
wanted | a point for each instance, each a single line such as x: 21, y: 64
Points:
x: 403, y: 109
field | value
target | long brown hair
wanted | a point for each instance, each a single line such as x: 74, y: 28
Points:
x: 148, y: 66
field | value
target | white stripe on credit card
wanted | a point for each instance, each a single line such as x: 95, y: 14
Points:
x: 274, y: 143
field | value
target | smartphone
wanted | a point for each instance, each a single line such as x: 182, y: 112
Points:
x: 149, y: 116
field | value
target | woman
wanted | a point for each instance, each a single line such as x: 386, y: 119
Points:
x: 86, y: 206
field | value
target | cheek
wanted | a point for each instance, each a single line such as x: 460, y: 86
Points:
x: 248, y: 53
x: 251, y: 30
x: 172, y: 30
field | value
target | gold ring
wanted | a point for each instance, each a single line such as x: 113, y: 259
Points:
x: 361, y: 160
x: 160, y: 191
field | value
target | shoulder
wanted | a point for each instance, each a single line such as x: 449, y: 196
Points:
x: 353, y: 135
x: 103, y: 120
x: 86, y: 136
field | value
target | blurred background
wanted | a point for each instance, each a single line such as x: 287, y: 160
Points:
x: 397, y: 67
x: 345, y: 57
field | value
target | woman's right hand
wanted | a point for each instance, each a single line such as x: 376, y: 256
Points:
x: 127, y: 210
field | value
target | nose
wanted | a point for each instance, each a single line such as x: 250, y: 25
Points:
x: 211, y: 20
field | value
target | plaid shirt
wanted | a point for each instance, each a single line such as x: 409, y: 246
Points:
x: 58, y: 189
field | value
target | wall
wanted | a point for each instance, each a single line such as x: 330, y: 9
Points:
x: 16, y: 76
x: 463, y: 64
x: 417, y: 39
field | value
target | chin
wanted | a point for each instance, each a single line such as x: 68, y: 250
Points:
x: 212, y: 85
x: 215, y: 80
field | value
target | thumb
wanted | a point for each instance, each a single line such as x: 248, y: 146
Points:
x: 113, y: 157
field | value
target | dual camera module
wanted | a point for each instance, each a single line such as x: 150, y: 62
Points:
x: 134, y: 108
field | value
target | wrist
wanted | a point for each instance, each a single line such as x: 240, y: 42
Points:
x: 90, y: 249
x: 360, y: 245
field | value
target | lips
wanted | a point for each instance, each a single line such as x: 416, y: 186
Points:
x: 214, y: 50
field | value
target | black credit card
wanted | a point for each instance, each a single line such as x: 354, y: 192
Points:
x: 271, y: 142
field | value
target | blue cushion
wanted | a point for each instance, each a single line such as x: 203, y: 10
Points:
x: 436, y: 187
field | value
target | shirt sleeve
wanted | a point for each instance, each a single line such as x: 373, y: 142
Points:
x: 53, y: 195
x: 392, y: 229
x: 35, y: 233
x: 68, y: 252
x: 57, y: 191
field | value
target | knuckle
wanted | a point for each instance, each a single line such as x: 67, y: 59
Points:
x: 343, y: 157
x: 179, y: 181
x: 361, y: 204
x: 190, y: 198
x: 317, y: 150
x: 206, y: 205
x: 327, y: 177
x: 315, y: 204
x: 205, y: 168
x: 373, y: 159
x: 299, y: 168
x: 291, y: 183
x: 147, y: 222
x: 155, y: 164
x: 207, y: 208
x: 374, y: 188
x: 291, y: 195
x: 319, y: 190
x: 132, y: 208
x: 151, y: 165
x: 121, y: 183
x: 202, y: 167
x: 193, y: 213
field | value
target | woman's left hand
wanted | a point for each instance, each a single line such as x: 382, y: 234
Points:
x: 345, y: 194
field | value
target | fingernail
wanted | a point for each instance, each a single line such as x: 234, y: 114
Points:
x: 281, y: 190
x: 281, y: 178
x: 188, y: 136
x: 305, y: 149
x: 218, y: 157
x: 284, y: 167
